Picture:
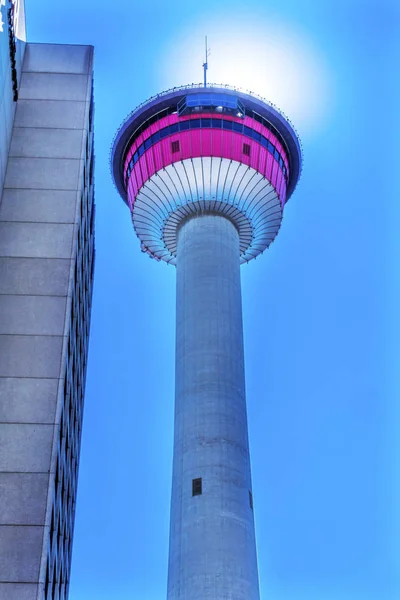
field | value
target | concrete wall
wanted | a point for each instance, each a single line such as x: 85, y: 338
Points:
x: 7, y: 105
x: 39, y: 220
x: 212, y: 541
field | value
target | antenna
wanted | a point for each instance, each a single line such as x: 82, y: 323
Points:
x: 205, y: 65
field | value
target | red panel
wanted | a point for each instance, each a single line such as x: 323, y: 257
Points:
x: 170, y: 119
x: 143, y: 165
x: 206, y: 145
x: 151, y: 167
x: 138, y: 172
x: 236, y: 147
x: 217, y: 143
x: 135, y: 186
x: 196, y: 143
x: 186, y: 144
x: 132, y: 190
x: 167, y: 152
x: 227, y: 144
x: 262, y: 160
x: 278, y: 180
x: 158, y: 160
x: 257, y: 151
x: 268, y: 170
x: 275, y: 171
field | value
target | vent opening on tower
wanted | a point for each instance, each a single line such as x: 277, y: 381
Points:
x: 246, y: 149
x: 175, y: 146
x: 197, y: 487
x: 251, y: 500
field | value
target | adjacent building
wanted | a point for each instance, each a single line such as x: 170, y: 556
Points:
x: 12, y: 49
x: 206, y: 173
x: 46, y: 279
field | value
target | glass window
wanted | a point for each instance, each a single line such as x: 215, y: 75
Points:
x: 195, y: 124
x: 238, y: 127
x: 174, y: 128
x: 206, y: 123
x: 256, y: 136
x: 163, y: 133
x: 263, y: 141
x: 197, y: 487
x: 148, y: 143
x: 228, y: 125
x: 155, y: 137
x: 184, y: 125
x: 175, y: 146
x: 140, y: 150
x: 216, y: 123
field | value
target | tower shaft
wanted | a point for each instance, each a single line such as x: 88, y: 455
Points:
x: 212, y: 541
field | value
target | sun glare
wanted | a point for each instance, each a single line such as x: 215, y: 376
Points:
x: 273, y: 60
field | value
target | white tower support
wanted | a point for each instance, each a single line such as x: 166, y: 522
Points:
x: 212, y: 540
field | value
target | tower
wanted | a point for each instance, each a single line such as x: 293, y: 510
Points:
x: 206, y: 173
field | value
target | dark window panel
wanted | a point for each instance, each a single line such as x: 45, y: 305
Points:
x: 175, y: 146
x: 197, y: 487
x: 184, y: 125
x: 246, y: 149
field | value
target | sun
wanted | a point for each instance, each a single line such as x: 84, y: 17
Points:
x: 271, y: 59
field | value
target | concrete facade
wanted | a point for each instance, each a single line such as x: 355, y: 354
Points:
x: 212, y: 540
x: 7, y: 103
x: 46, y: 271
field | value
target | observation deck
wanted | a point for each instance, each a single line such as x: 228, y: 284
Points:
x: 206, y: 150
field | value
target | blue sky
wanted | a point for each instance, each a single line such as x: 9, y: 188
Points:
x: 320, y: 307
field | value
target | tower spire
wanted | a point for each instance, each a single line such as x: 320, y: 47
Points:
x: 205, y: 64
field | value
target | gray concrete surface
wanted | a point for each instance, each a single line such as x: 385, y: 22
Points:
x: 212, y: 541
x: 38, y: 227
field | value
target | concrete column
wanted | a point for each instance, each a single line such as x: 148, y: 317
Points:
x: 212, y: 542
